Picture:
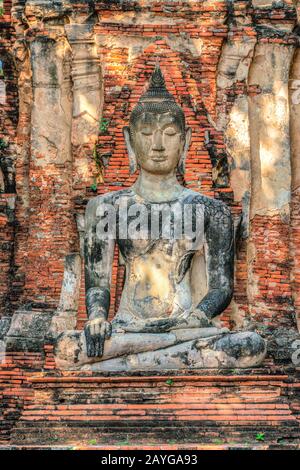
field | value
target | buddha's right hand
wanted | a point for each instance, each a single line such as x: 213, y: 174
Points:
x: 96, y: 332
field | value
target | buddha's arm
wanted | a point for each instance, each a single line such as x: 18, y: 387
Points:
x: 98, y: 254
x: 220, y: 260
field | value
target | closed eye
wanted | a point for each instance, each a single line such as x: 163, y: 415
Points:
x: 170, y: 131
x: 170, y: 134
x: 146, y: 132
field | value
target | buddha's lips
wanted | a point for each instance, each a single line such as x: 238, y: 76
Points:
x: 159, y: 159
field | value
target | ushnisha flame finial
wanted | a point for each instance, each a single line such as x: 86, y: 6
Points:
x: 157, y: 100
x: 157, y: 90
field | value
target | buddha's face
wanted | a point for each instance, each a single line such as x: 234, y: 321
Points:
x: 157, y: 141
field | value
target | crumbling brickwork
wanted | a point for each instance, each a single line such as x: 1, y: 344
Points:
x: 72, y: 72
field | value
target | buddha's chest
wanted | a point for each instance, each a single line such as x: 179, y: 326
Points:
x: 171, y: 231
x: 157, y: 279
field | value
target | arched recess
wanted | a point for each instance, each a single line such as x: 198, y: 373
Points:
x: 123, y: 87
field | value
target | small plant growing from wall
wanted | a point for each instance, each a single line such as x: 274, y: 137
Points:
x: 1, y: 10
x: 93, y: 442
x: 94, y: 186
x: 3, y: 144
x: 170, y: 382
x: 103, y: 125
x: 98, y: 177
x: 100, y: 160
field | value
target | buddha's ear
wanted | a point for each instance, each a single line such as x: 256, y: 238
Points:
x: 131, y: 154
x: 181, y: 164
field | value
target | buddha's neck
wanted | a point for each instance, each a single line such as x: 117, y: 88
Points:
x: 157, y: 188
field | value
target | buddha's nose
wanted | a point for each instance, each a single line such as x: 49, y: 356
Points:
x: 158, y: 145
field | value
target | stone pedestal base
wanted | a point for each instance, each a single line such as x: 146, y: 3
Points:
x: 72, y: 409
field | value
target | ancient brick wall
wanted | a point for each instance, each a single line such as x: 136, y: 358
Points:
x: 72, y: 72
x: 8, y: 125
x: 209, y: 54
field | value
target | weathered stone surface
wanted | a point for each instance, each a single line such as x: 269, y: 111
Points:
x: 27, y: 331
x: 179, y: 349
x: 65, y: 317
x: 235, y: 61
x: 4, y: 326
x: 238, y: 145
x: 283, y: 343
x: 269, y: 129
x: 71, y: 348
x: 271, y: 183
x: 192, y: 354
x: 50, y: 161
x: 86, y: 75
x: 50, y: 61
x: 233, y: 71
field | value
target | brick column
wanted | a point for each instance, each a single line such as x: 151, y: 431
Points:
x: 268, y: 250
x: 51, y: 224
x: 295, y: 200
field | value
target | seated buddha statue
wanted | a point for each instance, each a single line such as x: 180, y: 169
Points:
x: 160, y: 228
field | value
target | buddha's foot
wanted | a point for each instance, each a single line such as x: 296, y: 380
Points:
x: 179, y: 349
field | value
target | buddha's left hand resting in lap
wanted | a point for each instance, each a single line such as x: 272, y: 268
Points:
x: 159, y: 227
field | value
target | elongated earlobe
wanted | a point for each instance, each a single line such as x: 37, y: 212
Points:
x: 131, y: 155
x: 181, y: 164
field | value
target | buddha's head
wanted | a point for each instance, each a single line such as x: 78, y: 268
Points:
x: 157, y: 138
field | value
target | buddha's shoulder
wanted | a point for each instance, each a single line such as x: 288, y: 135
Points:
x: 212, y: 207
x: 113, y: 197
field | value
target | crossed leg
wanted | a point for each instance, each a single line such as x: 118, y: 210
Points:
x: 177, y: 349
